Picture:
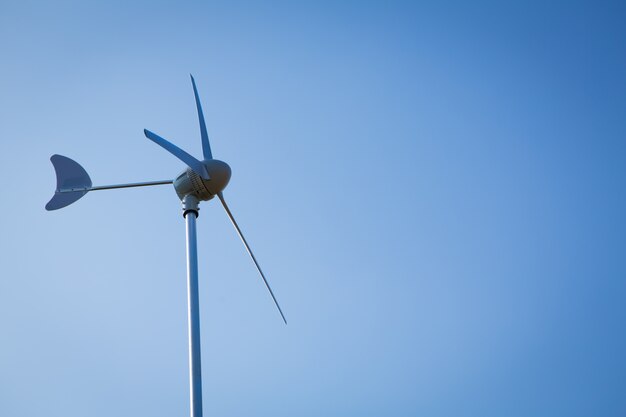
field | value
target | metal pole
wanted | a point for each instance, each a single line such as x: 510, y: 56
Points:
x: 190, y: 207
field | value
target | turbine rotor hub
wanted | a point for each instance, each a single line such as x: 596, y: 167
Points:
x: 190, y: 183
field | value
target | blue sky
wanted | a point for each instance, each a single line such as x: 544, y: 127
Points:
x: 435, y: 191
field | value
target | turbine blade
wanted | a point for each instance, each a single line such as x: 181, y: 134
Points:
x: 191, y: 162
x: 243, y: 239
x: 206, y: 147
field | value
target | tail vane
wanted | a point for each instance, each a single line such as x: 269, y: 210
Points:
x: 69, y: 175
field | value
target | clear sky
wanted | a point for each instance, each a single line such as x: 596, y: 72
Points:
x: 436, y: 192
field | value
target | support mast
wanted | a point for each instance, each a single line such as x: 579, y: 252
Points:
x: 190, y: 212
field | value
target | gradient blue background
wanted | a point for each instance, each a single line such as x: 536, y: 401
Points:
x: 435, y: 191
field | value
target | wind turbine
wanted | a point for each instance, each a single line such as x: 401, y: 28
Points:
x: 201, y: 181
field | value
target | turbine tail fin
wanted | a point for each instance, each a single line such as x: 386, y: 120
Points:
x: 69, y: 175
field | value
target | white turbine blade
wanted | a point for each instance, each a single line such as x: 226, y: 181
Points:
x: 189, y: 160
x: 206, y: 146
x: 243, y: 239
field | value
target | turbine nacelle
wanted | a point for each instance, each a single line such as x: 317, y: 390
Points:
x: 189, y: 182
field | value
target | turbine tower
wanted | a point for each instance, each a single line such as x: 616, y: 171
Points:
x: 200, y: 181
